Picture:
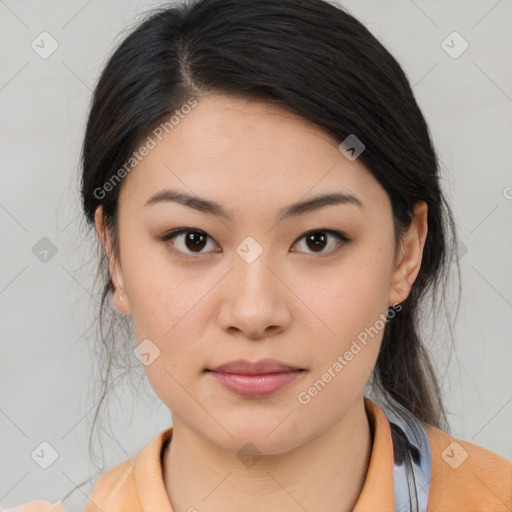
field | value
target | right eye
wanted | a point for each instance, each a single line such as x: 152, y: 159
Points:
x: 186, y: 238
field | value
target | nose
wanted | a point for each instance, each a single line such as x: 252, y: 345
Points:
x: 255, y: 302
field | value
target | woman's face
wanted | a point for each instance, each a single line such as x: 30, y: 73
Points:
x: 254, y: 284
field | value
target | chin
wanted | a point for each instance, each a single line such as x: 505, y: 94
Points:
x: 249, y: 439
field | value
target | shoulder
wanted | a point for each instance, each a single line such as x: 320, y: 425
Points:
x: 36, y: 506
x: 465, y: 476
x: 118, y: 488
x: 115, y: 483
x: 106, y: 491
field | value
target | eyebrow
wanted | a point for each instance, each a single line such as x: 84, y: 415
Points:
x: 213, y: 208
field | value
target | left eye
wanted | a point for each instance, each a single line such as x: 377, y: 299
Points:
x: 318, y: 239
x: 195, y: 240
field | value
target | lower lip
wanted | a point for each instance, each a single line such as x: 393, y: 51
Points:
x: 255, y: 386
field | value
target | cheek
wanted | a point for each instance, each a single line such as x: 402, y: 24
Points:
x: 168, y: 378
x: 353, y: 298
x: 352, y: 308
x: 163, y: 295
x: 344, y: 358
x: 169, y: 306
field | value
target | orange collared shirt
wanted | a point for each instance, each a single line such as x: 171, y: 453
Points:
x: 465, y: 477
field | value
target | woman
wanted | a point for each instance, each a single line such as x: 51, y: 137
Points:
x: 267, y: 196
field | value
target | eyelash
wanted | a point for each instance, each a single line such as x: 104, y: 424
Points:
x: 342, y: 239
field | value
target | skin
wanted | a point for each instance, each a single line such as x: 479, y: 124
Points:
x: 295, y: 304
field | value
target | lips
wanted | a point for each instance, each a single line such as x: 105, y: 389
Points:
x: 257, y: 379
x: 245, y: 367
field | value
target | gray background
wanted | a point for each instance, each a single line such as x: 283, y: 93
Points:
x: 46, y: 309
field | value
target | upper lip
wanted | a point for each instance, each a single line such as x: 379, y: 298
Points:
x: 254, y: 368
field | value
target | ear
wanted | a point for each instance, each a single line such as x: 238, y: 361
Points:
x: 410, y: 255
x: 113, y: 265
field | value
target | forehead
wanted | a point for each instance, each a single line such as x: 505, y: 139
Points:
x: 233, y: 149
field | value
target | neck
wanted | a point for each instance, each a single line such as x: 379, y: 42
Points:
x: 324, y: 474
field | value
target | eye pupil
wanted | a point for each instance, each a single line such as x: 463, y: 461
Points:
x: 194, y: 237
x: 317, y: 245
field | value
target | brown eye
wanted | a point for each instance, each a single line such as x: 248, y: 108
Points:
x: 187, y: 239
x: 317, y: 240
x: 194, y: 241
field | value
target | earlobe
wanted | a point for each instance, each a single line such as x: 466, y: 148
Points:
x: 411, y: 254
x: 120, y: 298
x: 121, y: 302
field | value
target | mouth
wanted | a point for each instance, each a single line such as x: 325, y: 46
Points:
x: 260, y: 367
x: 255, y: 380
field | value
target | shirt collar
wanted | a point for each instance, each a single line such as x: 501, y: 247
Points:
x: 377, y: 494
